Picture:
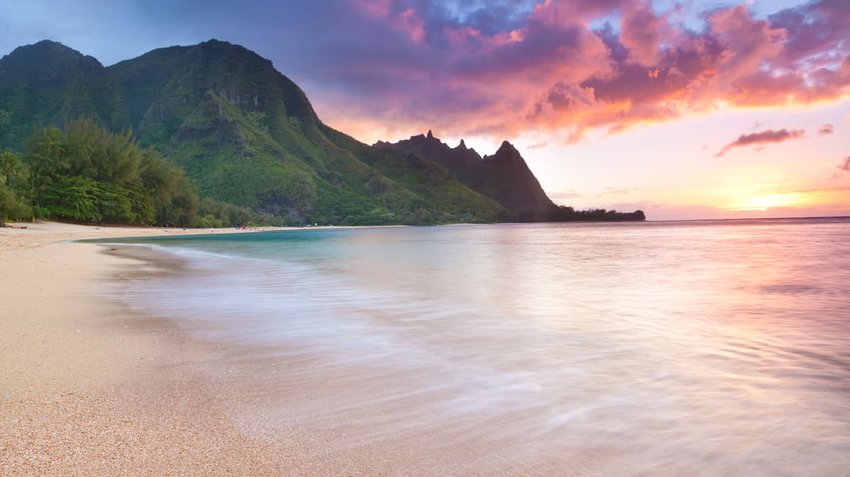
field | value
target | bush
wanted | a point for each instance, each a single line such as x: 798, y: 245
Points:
x: 11, y: 208
x: 86, y: 200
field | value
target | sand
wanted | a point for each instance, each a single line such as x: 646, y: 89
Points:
x: 84, y: 390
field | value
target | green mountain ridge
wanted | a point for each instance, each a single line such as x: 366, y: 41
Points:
x: 246, y: 134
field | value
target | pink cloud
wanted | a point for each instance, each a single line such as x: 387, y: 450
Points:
x: 641, y: 32
x: 412, y: 25
x: 424, y: 66
x: 844, y: 166
x: 769, y: 136
x: 826, y: 130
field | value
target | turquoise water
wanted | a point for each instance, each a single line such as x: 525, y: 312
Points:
x: 704, y: 347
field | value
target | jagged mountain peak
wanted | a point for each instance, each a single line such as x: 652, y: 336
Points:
x: 507, y: 153
x: 504, y: 176
x: 507, y: 149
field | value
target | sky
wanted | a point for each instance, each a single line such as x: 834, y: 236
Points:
x: 685, y: 109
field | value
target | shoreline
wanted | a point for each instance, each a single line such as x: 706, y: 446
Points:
x: 89, y: 387
x: 96, y: 379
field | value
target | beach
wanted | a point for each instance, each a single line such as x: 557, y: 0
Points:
x: 89, y: 388
x: 524, y: 349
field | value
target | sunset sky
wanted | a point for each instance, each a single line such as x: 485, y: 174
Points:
x: 685, y: 109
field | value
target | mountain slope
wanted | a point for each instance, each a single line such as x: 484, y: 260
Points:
x: 245, y: 134
x: 48, y: 84
x: 504, y: 176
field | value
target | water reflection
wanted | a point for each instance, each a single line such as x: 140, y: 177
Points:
x: 706, y: 348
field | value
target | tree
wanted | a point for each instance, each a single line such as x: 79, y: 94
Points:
x: 10, y: 169
x: 88, y: 174
x: 5, y: 121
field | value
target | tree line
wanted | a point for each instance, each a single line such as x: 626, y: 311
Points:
x: 563, y: 213
x: 90, y: 175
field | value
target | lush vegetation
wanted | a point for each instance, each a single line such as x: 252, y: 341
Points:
x: 12, y: 185
x: 12, y: 178
x: 244, y: 133
x: 247, y: 138
x: 87, y: 174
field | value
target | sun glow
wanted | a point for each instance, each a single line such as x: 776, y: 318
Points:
x: 770, y: 201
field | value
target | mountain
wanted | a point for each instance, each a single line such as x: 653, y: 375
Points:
x: 244, y: 133
x: 247, y: 135
x: 50, y: 84
x: 503, y: 177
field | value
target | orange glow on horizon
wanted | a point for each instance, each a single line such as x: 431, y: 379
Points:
x: 824, y: 199
x: 763, y: 203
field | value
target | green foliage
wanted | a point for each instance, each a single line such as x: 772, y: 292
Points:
x: 174, y: 196
x: 13, y: 177
x: 49, y: 84
x: 11, y: 208
x: 242, y: 132
x: 87, y: 174
x: 214, y: 213
x: 11, y: 169
x: 86, y: 200
x: 5, y: 129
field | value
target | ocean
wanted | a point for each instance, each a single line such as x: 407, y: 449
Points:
x: 702, y: 347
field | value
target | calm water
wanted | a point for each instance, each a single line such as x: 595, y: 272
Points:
x: 704, y: 347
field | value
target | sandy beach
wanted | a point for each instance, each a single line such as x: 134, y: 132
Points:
x: 89, y: 388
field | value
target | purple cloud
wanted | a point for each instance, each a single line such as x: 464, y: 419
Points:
x: 845, y: 166
x: 495, y: 67
x: 764, y: 137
